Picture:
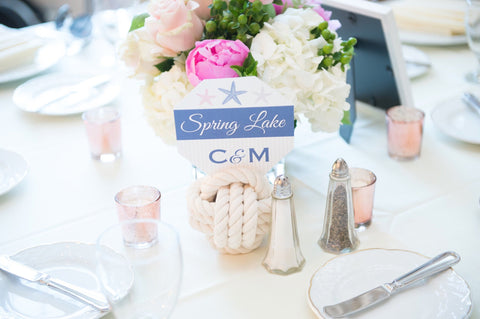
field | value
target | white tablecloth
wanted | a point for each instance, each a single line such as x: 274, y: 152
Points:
x: 429, y: 205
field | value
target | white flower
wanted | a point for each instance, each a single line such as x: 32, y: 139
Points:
x: 161, y: 95
x: 288, y: 61
x: 141, y: 53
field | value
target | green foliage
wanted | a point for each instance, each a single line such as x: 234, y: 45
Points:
x: 138, y: 21
x: 346, y: 118
x: 165, y: 65
x: 237, y: 19
x: 249, y: 67
x: 344, y: 56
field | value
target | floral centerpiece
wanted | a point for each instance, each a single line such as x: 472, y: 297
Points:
x: 292, y: 45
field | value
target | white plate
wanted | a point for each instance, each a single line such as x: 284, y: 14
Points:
x: 71, y: 262
x: 446, y: 296
x: 47, y: 56
x: 13, y: 169
x: 412, y: 55
x: 454, y: 118
x: 26, y: 95
x: 431, y: 39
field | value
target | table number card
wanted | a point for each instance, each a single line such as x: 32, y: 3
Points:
x: 234, y: 121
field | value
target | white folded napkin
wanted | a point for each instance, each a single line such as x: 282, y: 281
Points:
x: 17, y: 47
x: 441, y: 17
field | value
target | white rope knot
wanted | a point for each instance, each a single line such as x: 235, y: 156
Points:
x: 232, y: 208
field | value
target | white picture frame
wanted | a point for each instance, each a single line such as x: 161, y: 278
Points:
x: 367, y: 12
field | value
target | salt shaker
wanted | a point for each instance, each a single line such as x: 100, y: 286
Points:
x: 339, y: 235
x: 283, y: 254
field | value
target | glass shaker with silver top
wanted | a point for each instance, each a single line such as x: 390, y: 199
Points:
x: 339, y: 235
x: 283, y: 254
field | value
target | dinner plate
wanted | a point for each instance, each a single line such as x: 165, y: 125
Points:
x: 70, y: 261
x: 46, y: 56
x: 13, y: 169
x: 419, y: 38
x: 454, y: 118
x: 445, y: 296
x: 47, y: 87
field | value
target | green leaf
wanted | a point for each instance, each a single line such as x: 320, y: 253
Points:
x: 249, y: 67
x: 346, y: 118
x: 138, y: 21
x: 238, y: 69
x: 268, y: 8
x: 165, y: 65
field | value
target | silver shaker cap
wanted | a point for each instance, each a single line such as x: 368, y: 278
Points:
x: 282, y: 188
x: 339, y: 169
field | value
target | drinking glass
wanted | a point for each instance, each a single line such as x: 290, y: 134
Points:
x: 140, y: 283
x: 472, y: 26
x: 113, y: 17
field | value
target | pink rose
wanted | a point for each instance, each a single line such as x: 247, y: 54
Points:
x: 203, y: 11
x: 174, y: 25
x: 211, y: 59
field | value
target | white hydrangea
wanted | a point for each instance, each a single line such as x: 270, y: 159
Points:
x: 161, y: 95
x: 288, y: 60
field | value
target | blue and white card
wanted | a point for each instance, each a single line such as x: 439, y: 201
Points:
x: 234, y: 121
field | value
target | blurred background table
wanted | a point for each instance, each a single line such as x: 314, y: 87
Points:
x: 429, y: 205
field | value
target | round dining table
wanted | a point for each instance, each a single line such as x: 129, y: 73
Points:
x: 427, y: 206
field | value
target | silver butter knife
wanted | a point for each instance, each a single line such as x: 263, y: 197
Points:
x: 472, y: 101
x: 56, y: 95
x: 92, y: 298
x: 376, y: 295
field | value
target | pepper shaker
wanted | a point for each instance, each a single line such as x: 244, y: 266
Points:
x: 283, y: 254
x: 339, y: 235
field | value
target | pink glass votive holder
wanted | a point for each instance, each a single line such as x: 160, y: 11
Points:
x: 138, y: 202
x: 363, y: 192
x: 103, y: 133
x: 405, y: 132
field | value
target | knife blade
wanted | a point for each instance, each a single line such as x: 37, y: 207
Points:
x: 89, y: 297
x: 472, y: 101
x: 379, y: 294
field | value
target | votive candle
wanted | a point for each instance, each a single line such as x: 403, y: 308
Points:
x: 404, y: 131
x: 363, y: 192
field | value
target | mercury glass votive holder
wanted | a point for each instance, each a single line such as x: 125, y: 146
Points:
x: 404, y: 132
x: 363, y: 192
x: 134, y: 203
x: 104, y: 133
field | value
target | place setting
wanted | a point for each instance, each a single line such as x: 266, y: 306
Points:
x: 459, y: 116
x: 28, y: 52
x: 226, y: 85
x: 134, y: 269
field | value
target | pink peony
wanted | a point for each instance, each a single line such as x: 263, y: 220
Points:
x: 173, y: 24
x: 211, y: 59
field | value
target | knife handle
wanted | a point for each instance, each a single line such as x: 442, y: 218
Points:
x: 93, y: 298
x: 431, y: 267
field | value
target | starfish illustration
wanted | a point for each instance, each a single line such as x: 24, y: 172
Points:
x: 206, y: 98
x: 232, y: 94
x: 262, y: 95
